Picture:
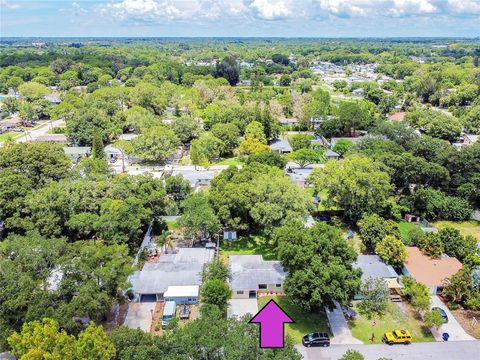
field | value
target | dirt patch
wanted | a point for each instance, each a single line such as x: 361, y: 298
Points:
x: 466, y: 320
x: 194, y: 314
x: 115, y: 317
x: 156, y: 327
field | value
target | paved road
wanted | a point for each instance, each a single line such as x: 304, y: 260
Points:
x: 456, y: 350
x: 339, y: 326
x: 453, y: 328
x: 35, y: 133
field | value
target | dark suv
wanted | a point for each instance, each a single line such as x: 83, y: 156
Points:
x: 316, y: 339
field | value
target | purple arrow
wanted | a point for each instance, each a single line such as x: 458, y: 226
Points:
x: 272, y: 321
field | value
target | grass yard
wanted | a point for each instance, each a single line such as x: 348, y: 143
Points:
x: 304, y: 322
x: 230, y: 161
x: 251, y: 245
x: 362, y: 328
x: 405, y: 227
x: 471, y: 227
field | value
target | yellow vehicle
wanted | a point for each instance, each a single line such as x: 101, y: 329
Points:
x: 397, y: 337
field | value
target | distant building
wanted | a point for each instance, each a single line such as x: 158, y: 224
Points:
x: 53, y: 138
x: 75, y: 153
x: 470, y: 139
x: 397, y: 116
x: 251, y: 275
x: 280, y: 146
x: 428, y: 271
x: 288, y: 121
x: 127, y: 137
x: 331, y: 155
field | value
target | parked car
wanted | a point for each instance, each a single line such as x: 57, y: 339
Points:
x: 168, y: 312
x: 184, y: 313
x: 397, y: 337
x: 442, y: 313
x: 316, y: 339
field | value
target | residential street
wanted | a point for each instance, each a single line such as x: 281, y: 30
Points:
x: 456, y: 350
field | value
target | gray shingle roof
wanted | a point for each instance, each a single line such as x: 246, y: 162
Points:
x: 280, y: 145
x: 183, y: 268
x: 373, y: 267
x: 250, y: 270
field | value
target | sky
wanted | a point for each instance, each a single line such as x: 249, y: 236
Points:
x: 240, y: 18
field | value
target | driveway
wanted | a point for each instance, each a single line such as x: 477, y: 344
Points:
x: 339, y: 326
x: 456, y: 350
x: 240, y: 307
x: 453, y: 328
x: 139, y: 315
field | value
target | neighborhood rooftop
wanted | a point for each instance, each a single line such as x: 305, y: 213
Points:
x: 373, y: 267
x: 248, y: 271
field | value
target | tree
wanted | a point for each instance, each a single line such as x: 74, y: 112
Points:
x: 97, y: 147
x: 342, y: 146
x: 216, y: 292
x: 84, y: 126
x: 355, y: 184
x: 392, y: 251
x: 285, y: 80
x: 374, y: 228
x: 418, y: 293
x: 305, y: 157
x: 251, y: 147
x: 319, y: 263
x: 186, y: 129
x: 352, y: 355
x: 177, y: 187
x: 269, y: 158
x: 471, y: 120
x: 375, y: 297
x: 45, y: 340
x: 300, y: 141
x: 205, y: 148
x: 229, y: 134
x: 229, y: 69
x: 457, y: 245
x: 157, y: 144
x: 432, y: 245
x: 433, y: 319
x: 458, y: 287
x: 255, y: 131
x: 33, y: 91
x: 352, y: 116
x: 198, y: 217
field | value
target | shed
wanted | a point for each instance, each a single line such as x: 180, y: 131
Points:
x: 331, y: 155
x: 182, y: 294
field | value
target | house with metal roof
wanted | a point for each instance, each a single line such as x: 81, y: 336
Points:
x: 181, y: 269
x: 251, y: 275
x: 75, y: 153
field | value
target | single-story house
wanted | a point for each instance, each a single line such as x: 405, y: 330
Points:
x: 75, y: 153
x: 54, y: 138
x: 470, y: 139
x: 196, y: 178
x: 280, y: 146
x: 53, y: 99
x: 12, y: 123
x: 251, y: 275
x: 428, y: 271
x: 113, y: 154
x: 182, y: 294
x: 331, y: 155
x: 288, y: 121
x: 127, y: 137
x: 181, y: 269
x: 374, y: 268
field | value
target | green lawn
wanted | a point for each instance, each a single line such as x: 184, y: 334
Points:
x: 172, y: 224
x: 471, y: 227
x: 304, y: 322
x: 405, y: 228
x: 362, y: 328
x: 252, y: 245
x: 230, y: 161
x: 323, y: 198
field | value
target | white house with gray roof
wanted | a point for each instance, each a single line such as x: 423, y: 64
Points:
x: 251, y: 275
x: 181, y: 269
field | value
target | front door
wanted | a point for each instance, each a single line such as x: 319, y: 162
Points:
x: 252, y: 294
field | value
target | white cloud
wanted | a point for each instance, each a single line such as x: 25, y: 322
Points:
x: 9, y: 4
x: 78, y: 10
x: 464, y: 7
x: 346, y: 8
x: 412, y: 7
x: 272, y: 9
x: 144, y: 10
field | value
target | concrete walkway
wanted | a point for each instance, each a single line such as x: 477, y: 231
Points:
x: 453, y: 327
x: 241, y: 307
x: 139, y: 315
x: 339, y: 326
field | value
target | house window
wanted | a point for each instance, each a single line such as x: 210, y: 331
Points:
x: 240, y: 292
x: 262, y: 286
x: 278, y: 285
